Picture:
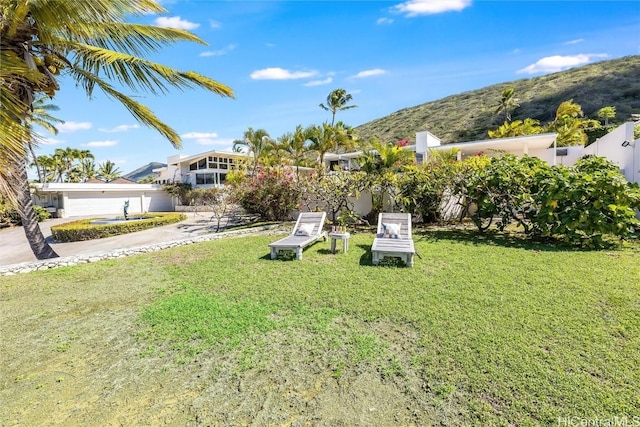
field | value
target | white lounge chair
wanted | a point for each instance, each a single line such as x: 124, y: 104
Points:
x: 393, y: 238
x: 308, y: 230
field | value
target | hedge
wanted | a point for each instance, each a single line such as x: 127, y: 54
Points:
x: 84, y: 230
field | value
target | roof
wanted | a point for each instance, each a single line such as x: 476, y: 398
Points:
x: 511, y: 145
x: 206, y: 154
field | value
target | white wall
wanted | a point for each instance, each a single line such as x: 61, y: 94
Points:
x: 611, y: 147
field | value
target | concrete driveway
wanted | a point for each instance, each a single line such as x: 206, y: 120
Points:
x: 14, y: 247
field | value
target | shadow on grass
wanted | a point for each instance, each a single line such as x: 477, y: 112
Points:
x: 367, y: 259
x: 497, y: 238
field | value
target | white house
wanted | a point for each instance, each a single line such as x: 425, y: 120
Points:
x: 84, y: 199
x: 202, y: 170
x: 618, y: 146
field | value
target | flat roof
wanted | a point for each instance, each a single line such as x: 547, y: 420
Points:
x: 514, y: 144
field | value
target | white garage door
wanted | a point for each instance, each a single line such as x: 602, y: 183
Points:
x: 96, y: 203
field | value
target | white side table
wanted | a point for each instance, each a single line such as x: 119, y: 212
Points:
x: 345, y: 241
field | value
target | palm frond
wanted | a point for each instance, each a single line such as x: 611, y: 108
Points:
x: 140, y: 74
x: 141, y: 113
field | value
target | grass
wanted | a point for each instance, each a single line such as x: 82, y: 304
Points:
x: 494, y: 329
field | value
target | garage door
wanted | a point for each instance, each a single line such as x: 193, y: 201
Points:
x: 96, y: 203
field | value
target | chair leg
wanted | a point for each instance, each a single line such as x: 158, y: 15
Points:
x: 409, y: 260
x: 298, y: 253
x: 274, y: 253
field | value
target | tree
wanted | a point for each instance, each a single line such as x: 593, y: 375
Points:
x: 296, y: 146
x: 327, y: 138
x: 527, y: 126
x: 336, y: 101
x: 90, y: 42
x: 382, y: 165
x: 606, y: 113
x: 108, y: 171
x: 508, y: 102
x: 255, y: 142
x: 40, y: 116
x: 570, y: 125
x: 88, y: 169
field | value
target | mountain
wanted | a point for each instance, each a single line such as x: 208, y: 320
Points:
x: 144, y: 171
x: 468, y: 116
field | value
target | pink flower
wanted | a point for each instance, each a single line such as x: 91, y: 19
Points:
x: 402, y: 143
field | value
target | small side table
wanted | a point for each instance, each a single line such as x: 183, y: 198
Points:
x: 345, y: 241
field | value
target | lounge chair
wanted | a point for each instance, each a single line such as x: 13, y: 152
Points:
x: 393, y: 238
x: 308, y: 230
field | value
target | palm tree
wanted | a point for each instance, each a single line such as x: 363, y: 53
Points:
x: 527, y: 126
x: 295, y: 145
x: 336, y: 101
x: 330, y: 138
x: 570, y: 125
x: 40, y: 116
x: 108, y: 171
x: 88, y: 169
x: 90, y: 42
x: 508, y: 102
x: 255, y: 142
x: 607, y: 113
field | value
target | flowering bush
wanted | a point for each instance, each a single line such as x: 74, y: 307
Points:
x: 271, y: 193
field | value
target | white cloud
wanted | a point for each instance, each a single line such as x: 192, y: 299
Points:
x: 369, y: 73
x: 68, y: 127
x: 198, y: 135
x: 413, y: 8
x: 219, y: 52
x: 208, y: 138
x: 270, y: 44
x: 319, y: 82
x: 49, y: 141
x: 214, y: 24
x: 576, y: 41
x: 119, y: 128
x: 225, y: 144
x: 384, y: 21
x: 281, y: 74
x: 108, y: 143
x: 176, y: 22
x: 552, y: 64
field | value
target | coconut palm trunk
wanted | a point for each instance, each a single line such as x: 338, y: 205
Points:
x: 41, y: 249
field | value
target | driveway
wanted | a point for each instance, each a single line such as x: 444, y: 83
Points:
x: 14, y: 247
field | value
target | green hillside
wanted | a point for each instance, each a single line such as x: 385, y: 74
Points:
x: 468, y: 116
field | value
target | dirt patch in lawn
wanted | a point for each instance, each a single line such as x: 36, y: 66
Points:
x: 72, y: 355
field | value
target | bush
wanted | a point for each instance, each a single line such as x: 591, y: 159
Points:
x: 272, y: 194
x: 84, y: 230
x: 9, y: 215
x: 580, y: 204
x: 584, y: 203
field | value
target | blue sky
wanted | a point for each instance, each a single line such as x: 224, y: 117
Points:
x: 282, y: 58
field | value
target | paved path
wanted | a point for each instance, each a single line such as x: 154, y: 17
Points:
x: 15, y: 249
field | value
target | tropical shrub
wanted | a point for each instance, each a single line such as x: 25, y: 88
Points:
x: 180, y: 190
x: 580, y: 204
x: 334, y: 191
x: 272, y: 193
x: 501, y: 191
x: 584, y: 203
x: 9, y: 215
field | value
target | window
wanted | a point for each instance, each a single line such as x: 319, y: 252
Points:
x: 202, y: 164
x: 205, y: 178
x: 223, y: 178
x: 193, y: 166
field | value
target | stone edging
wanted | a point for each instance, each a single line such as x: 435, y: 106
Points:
x: 46, y: 264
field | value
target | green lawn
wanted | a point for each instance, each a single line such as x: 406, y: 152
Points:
x: 482, y: 331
